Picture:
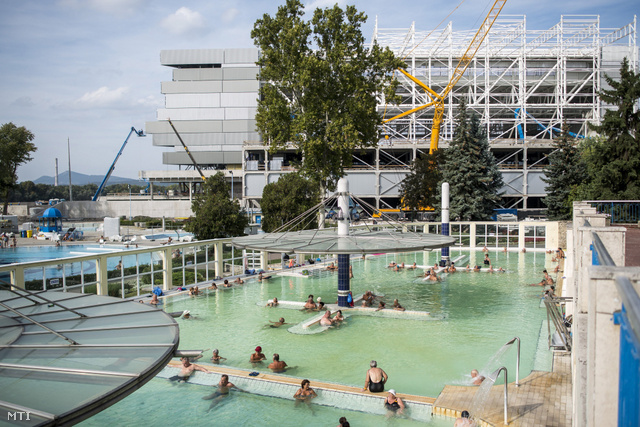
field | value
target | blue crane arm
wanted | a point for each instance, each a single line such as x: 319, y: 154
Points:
x: 542, y: 127
x: 113, y: 165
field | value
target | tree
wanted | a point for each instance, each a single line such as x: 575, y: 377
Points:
x: 419, y: 188
x: 15, y: 149
x: 615, y: 161
x: 215, y: 214
x: 323, y: 100
x: 286, y: 199
x: 471, y: 171
x: 565, y: 172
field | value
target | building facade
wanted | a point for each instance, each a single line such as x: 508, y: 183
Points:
x: 523, y: 84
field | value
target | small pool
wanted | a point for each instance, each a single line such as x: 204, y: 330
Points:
x: 472, y: 315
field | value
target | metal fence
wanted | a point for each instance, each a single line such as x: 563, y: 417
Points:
x: 620, y: 211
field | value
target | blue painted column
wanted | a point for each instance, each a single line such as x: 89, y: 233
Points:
x: 344, y: 283
x: 444, y: 253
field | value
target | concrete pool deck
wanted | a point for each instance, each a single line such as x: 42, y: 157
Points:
x: 543, y: 398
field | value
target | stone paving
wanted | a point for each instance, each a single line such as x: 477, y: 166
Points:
x: 543, y: 399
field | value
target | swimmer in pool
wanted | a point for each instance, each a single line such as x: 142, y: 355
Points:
x: 381, y: 305
x: 397, y: 306
x: 305, y: 393
x: 326, y: 319
x: 310, y: 305
x: 273, y: 302
x: 376, y: 378
x: 338, y: 317
x: 154, y: 300
x: 187, y: 370
x: 258, y: 356
x: 476, y: 378
x: 277, y: 365
x: 277, y: 324
x: 224, y: 387
x: 216, y: 358
x: 393, y: 403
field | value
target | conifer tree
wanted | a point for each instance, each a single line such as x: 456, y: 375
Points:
x: 614, y: 161
x: 471, y: 171
x: 565, y: 172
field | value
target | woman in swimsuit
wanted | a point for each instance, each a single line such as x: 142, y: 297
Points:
x: 338, y: 317
x: 393, y: 403
x: 305, y: 393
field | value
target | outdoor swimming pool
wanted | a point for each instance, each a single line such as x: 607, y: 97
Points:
x: 472, y: 316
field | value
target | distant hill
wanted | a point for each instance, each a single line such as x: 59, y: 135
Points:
x: 82, y: 179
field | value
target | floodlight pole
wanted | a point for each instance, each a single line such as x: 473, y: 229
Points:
x: 343, y: 230
x: 444, y: 259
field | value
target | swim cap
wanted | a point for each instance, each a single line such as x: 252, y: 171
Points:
x: 258, y: 349
x: 319, y: 299
x: 392, y: 391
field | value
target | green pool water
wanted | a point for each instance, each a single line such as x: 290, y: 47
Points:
x: 472, y: 316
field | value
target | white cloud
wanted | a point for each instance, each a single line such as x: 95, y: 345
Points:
x: 183, y: 21
x: 103, y: 97
x: 229, y: 15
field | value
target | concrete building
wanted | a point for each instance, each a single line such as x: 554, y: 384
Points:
x: 523, y: 84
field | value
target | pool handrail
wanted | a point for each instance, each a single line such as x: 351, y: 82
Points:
x: 517, y: 359
x: 494, y: 376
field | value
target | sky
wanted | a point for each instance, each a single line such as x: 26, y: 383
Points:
x: 86, y: 71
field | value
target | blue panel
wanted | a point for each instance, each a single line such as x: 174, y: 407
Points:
x: 629, y: 382
x: 444, y: 253
x: 343, y: 279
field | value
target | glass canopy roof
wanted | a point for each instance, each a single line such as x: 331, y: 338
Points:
x: 359, y: 241
x: 67, y: 356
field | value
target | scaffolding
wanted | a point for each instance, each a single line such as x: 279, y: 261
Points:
x: 523, y: 84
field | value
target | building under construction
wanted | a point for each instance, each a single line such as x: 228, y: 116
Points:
x: 523, y: 84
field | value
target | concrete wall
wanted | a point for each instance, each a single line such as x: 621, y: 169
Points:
x: 120, y: 208
x: 596, y: 339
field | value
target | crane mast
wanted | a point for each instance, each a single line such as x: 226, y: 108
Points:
x: 437, y: 99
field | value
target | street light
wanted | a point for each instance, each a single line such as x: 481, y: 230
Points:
x: 130, y: 217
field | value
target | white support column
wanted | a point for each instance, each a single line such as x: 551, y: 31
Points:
x: 102, y: 276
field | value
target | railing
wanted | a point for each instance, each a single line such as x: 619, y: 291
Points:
x: 131, y: 272
x: 494, y: 376
x: 629, y: 320
x: 620, y: 211
x: 517, y: 359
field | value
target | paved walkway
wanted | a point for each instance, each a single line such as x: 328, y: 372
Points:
x: 543, y: 399
x: 632, y: 243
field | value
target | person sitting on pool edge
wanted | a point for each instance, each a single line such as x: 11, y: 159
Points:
x: 258, y: 356
x: 187, y: 370
x: 277, y: 365
x: 381, y: 305
x: 261, y: 277
x: 393, y: 403
x: 376, y: 378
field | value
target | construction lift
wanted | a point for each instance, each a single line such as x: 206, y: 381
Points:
x: 437, y: 99
x: 113, y: 165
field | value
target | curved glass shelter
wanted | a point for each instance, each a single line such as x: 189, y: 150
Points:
x: 66, y: 356
x: 358, y: 241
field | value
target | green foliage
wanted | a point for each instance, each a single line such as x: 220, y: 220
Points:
x: 614, y: 162
x: 564, y: 174
x: 419, y: 189
x: 216, y: 215
x: 286, y: 199
x: 471, y: 171
x: 322, y: 99
x: 15, y: 149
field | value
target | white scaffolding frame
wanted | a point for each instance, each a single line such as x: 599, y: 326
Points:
x: 523, y: 84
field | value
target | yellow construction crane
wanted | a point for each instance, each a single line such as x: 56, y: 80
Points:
x: 437, y: 99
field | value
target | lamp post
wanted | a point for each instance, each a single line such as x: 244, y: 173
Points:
x: 130, y: 217
x: 231, y: 184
